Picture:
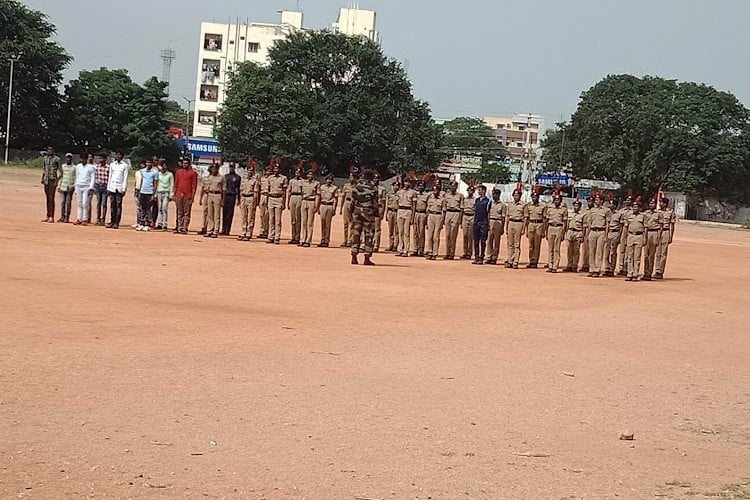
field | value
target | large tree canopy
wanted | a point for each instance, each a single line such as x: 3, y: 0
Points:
x: 329, y: 98
x: 654, y: 134
x: 26, y: 34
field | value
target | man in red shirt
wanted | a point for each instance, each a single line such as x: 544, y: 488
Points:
x: 185, y: 185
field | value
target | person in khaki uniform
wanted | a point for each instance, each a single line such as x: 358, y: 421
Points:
x: 596, y: 234
x: 277, y: 187
x: 435, y: 220
x: 346, y: 201
x: 420, y: 220
x: 248, y: 201
x: 653, y: 221
x: 214, y: 186
x: 453, y: 203
x: 668, y: 221
x: 467, y: 223
x: 381, y: 211
x: 391, y: 212
x: 329, y: 198
x: 263, y: 202
x: 515, y: 227
x: 407, y: 202
x: 585, y: 243
x: 294, y: 202
x: 626, y: 210
x: 613, y: 238
x: 555, y: 227
x: 534, y: 227
x: 635, y: 227
x: 575, y: 237
x: 497, y: 227
x: 310, y: 206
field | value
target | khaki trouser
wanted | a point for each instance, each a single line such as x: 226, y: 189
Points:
x: 623, y: 251
x: 274, y: 217
x: 420, y: 225
x: 263, y: 209
x: 661, y: 255
x: 326, y: 218
x: 205, y: 212
x: 451, y: 233
x: 585, y: 254
x: 378, y: 231
x: 574, y: 249
x: 346, y: 207
x: 404, y: 230
x: 390, y: 217
x: 633, y: 254
x: 493, y: 242
x: 467, y: 230
x: 554, y: 241
x: 650, y: 247
x: 596, y: 250
x: 432, y: 238
x: 295, y: 213
x: 514, y: 242
x: 213, y: 205
x: 610, y: 250
x: 308, y: 221
x: 248, y: 207
x: 534, y: 233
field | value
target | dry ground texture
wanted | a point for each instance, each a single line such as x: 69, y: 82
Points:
x: 159, y: 366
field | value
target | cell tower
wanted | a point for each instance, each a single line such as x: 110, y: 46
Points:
x: 167, y: 56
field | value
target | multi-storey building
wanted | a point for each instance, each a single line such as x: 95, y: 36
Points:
x: 520, y: 134
x: 357, y: 22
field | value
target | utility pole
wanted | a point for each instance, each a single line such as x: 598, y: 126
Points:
x: 10, y: 104
x: 187, y: 122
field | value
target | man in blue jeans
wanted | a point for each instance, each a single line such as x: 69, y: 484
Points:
x: 101, y: 178
x: 481, y: 224
x: 149, y: 180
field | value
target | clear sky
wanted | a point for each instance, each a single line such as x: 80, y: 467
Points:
x: 469, y: 57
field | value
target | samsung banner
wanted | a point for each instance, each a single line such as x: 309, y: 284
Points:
x: 200, y: 146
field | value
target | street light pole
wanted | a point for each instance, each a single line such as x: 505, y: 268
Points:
x: 187, y: 121
x: 10, y: 104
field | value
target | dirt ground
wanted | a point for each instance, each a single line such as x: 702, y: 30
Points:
x: 162, y: 366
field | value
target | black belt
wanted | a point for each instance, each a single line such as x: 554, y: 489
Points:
x: 421, y: 211
x: 637, y: 233
x: 575, y: 230
x: 214, y: 192
x: 296, y: 194
x: 248, y: 195
x: 516, y: 220
x: 470, y: 214
x: 404, y: 208
x: 536, y: 221
x: 327, y: 202
x: 275, y: 195
x: 494, y: 218
x: 311, y: 199
x: 436, y: 213
x: 556, y: 225
x: 452, y: 210
x: 347, y: 199
x: 391, y: 209
x: 597, y: 229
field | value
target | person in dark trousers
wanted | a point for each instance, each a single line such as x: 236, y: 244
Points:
x: 232, y: 180
x: 481, y: 224
x: 51, y: 176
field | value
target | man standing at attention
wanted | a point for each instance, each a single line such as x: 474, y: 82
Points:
x: 84, y: 187
x: 407, y: 200
x: 635, y: 227
x: 50, y: 178
x: 585, y: 242
x: 277, y: 187
x: 435, y: 220
x: 232, y: 181
x: 534, y: 227
x: 596, y: 234
x: 574, y: 237
x: 555, y: 227
x: 101, y: 178
x: 626, y: 210
x: 613, y: 238
x: 329, y: 198
x: 496, y: 228
x: 381, y: 210
x: 668, y: 221
x: 653, y: 220
x: 420, y: 220
x: 117, y: 186
x: 149, y: 180
x: 214, y: 188
x: 391, y: 215
x: 164, y: 194
x: 248, y: 200
x: 185, y: 186
x: 294, y: 202
x: 480, y: 231
x: 67, y: 187
x: 263, y: 202
x: 467, y: 223
x: 310, y: 206
x: 453, y: 203
x: 345, y: 210
x: 364, y: 211
x: 514, y: 217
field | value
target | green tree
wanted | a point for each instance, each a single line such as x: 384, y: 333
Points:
x: 27, y: 34
x: 147, y: 130
x: 493, y: 172
x: 329, y: 98
x: 471, y: 136
x: 177, y: 116
x: 654, y: 134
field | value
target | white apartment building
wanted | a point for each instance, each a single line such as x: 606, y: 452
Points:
x: 224, y: 46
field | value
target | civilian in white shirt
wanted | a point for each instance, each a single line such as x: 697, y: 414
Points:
x: 84, y: 189
x: 117, y: 185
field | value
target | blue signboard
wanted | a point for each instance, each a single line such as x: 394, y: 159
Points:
x: 200, y: 146
x: 553, y: 179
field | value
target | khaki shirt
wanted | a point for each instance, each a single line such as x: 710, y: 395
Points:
x: 277, y: 185
x: 635, y: 223
x: 422, y: 202
x: 576, y: 221
x: 652, y: 219
x: 346, y: 192
x: 535, y: 213
x: 249, y: 185
x: 618, y: 217
x: 214, y: 183
x: 556, y: 216
x: 668, y: 217
x: 453, y: 202
x: 497, y: 210
x: 391, y: 200
x: 405, y: 198
x: 436, y: 204
x: 295, y: 186
x: 310, y: 190
x: 515, y: 211
x: 264, y: 184
x: 467, y: 207
x: 599, y: 217
x: 328, y: 193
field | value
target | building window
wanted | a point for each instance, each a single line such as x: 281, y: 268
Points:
x: 206, y: 117
x: 231, y: 42
x: 522, y: 127
x: 210, y: 70
x: 212, y: 42
x: 519, y: 144
x: 242, y: 38
x: 210, y: 93
x: 253, y: 47
x: 500, y: 125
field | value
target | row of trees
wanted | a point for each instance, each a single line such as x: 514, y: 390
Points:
x: 101, y: 109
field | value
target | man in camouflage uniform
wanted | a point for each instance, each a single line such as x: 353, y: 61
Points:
x: 364, y: 212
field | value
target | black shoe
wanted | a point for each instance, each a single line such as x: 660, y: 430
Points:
x: 202, y: 232
x: 109, y: 226
x: 355, y: 261
x: 214, y: 235
x: 659, y: 277
x: 646, y: 278
x: 206, y: 235
x: 368, y: 262
x: 629, y: 278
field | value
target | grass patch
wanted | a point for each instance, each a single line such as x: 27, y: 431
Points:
x: 35, y: 163
x: 732, y: 492
x: 746, y: 225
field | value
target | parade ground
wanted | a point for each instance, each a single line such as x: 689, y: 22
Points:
x: 153, y: 365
